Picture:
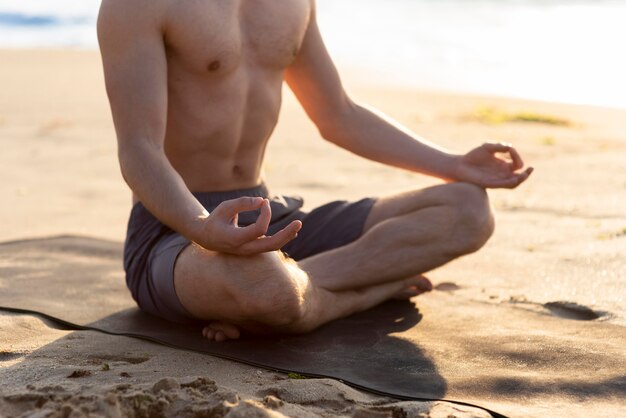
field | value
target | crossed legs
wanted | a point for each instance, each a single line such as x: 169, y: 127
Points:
x: 405, y: 235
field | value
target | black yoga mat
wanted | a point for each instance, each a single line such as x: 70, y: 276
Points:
x: 490, y: 356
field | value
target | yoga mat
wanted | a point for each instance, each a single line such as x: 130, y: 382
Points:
x: 494, y: 357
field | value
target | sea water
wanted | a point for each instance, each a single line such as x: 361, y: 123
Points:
x: 558, y: 50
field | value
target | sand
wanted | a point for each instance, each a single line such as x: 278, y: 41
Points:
x: 560, y: 237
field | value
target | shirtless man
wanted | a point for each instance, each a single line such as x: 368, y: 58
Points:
x: 195, y: 92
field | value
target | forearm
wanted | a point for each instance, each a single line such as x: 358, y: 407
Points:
x: 371, y: 135
x: 161, y: 189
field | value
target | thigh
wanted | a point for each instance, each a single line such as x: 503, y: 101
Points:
x: 404, y: 203
x: 154, y: 278
x: 327, y: 227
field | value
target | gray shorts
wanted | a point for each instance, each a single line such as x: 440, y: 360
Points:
x: 151, y: 248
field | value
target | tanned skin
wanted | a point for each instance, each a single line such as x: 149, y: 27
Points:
x: 195, y: 92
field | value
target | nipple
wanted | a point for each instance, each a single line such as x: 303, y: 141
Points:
x: 214, y: 66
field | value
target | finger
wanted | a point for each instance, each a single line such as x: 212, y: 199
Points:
x: 242, y: 204
x: 273, y: 243
x: 526, y: 174
x: 523, y: 176
x: 257, y: 229
x: 494, y: 147
x: 511, y: 182
x: 263, y: 221
x: 517, y: 159
x: 220, y: 337
x: 501, y: 184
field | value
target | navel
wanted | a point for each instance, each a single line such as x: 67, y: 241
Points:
x: 237, y: 171
x: 214, y: 65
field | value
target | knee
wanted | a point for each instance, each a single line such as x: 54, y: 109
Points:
x: 474, y: 221
x: 275, y: 297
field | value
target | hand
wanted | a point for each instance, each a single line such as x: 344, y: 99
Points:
x: 221, y: 233
x: 483, y: 167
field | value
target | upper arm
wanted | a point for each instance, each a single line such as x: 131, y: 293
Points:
x: 315, y: 81
x: 135, y: 69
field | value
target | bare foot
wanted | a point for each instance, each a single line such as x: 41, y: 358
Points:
x: 423, y: 285
x: 221, y: 331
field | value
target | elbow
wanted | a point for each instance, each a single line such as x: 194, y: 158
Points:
x: 138, y: 148
x: 125, y: 158
x: 336, y: 122
x: 126, y: 153
x: 330, y: 132
x: 132, y: 154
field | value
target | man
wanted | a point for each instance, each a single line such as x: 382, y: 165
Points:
x: 195, y: 92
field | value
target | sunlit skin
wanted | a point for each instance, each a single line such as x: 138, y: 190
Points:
x: 195, y: 92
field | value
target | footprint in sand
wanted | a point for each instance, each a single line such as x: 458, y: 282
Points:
x: 571, y: 310
x: 130, y: 359
x: 10, y: 355
x: 447, y: 287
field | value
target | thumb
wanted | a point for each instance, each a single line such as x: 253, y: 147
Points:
x: 232, y: 207
x: 494, y: 147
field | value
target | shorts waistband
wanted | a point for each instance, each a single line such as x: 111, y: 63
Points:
x: 211, y: 199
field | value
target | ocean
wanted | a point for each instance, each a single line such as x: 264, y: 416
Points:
x: 557, y: 50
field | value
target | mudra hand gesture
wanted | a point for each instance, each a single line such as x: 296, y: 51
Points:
x: 488, y: 166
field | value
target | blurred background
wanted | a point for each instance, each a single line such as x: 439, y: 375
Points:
x: 561, y: 236
x: 557, y: 50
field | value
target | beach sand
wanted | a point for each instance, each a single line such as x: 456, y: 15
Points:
x: 560, y: 237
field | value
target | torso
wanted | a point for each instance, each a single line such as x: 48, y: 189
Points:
x: 226, y: 64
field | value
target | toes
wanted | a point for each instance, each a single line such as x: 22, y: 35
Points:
x: 221, y: 331
x: 415, y: 287
x: 209, y: 333
x: 408, y: 293
x: 229, y: 330
x: 413, y: 291
x: 422, y: 283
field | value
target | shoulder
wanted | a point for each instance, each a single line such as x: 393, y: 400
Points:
x: 131, y: 15
x: 313, y: 7
x: 138, y: 8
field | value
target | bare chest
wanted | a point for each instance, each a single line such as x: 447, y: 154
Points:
x: 218, y: 36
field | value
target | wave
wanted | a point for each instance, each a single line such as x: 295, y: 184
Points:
x: 28, y: 20
x: 562, y: 50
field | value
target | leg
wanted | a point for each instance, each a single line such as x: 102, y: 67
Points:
x: 406, y: 235
x: 265, y: 293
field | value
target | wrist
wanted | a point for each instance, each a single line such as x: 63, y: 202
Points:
x: 450, y: 167
x: 198, y: 230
